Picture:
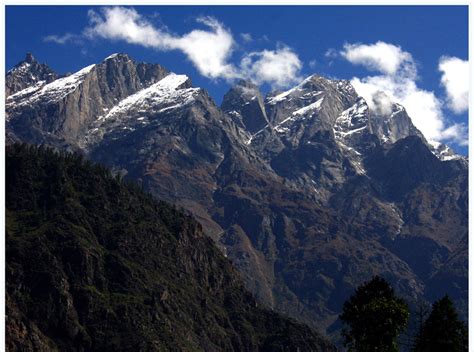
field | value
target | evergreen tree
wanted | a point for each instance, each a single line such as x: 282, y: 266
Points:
x: 421, y: 314
x: 443, y: 330
x: 374, y: 317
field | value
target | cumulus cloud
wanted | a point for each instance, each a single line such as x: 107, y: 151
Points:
x: 119, y: 23
x: 455, y: 80
x: 457, y: 133
x: 209, y: 49
x: 278, y: 67
x: 422, y: 106
x: 397, y: 82
x: 382, y: 57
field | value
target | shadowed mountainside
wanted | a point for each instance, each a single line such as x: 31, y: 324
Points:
x: 95, y: 264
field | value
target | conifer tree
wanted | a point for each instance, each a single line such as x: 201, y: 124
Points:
x: 374, y: 317
x: 443, y: 330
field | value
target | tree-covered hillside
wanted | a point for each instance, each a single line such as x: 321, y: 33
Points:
x: 95, y: 264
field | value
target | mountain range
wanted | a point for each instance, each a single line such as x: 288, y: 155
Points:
x: 309, y: 192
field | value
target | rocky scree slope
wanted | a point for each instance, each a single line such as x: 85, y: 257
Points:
x: 309, y: 191
x: 95, y: 264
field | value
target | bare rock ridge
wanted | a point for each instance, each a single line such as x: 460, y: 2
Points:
x: 308, y: 191
x: 244, y: 103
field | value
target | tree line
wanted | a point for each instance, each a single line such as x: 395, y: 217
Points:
x: 374, y: 318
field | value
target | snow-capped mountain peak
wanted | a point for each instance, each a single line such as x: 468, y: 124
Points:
x: 27, y: 73
x: 140, y: 109
x: 444, y: 153
x: 51, y: 92
x: 123, y: 92
x: 173, y: 89
x: 277, y: 98
x: 352, y: 121
x: 111, y: 56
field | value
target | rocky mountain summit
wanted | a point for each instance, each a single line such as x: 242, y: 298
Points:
x: 28, y: 73
x: 309, y: 192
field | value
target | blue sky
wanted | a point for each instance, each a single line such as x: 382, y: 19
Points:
x: 417, y: 54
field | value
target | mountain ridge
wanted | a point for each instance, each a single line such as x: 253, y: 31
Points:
x: 295, y: 187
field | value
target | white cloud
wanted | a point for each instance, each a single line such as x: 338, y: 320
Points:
x: 61, y: 39
x: 457, y: 133
x: 422, y: 106
x: 383, y: 57
x: 381, y: 102
x: 455, y: 80
x: 119, y: 23
x: 397, y: 83
x: 331, y: 53
x: 278, y: 67
x: 246, y: 37
x: 209, y: 50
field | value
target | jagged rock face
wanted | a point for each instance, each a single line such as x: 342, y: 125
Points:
x: 26, y: 74
x: 314, y: 97
x: 244, y: 103
x: 316, y: 131
x: 395, y: 125
x: 63, y: 109
x: 297, y: 115
x: 309, y: 192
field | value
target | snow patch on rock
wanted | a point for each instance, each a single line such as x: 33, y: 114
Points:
x: 144, y: 107
x: 165, y: 91
x: 51, y: 92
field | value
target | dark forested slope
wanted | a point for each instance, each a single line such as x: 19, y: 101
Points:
x: 95, y: 264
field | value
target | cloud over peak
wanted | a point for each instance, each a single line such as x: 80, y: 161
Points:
x: 278, y: 67
x: 210, y: 50
x: 397, y: 79
x: 215, y: 53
